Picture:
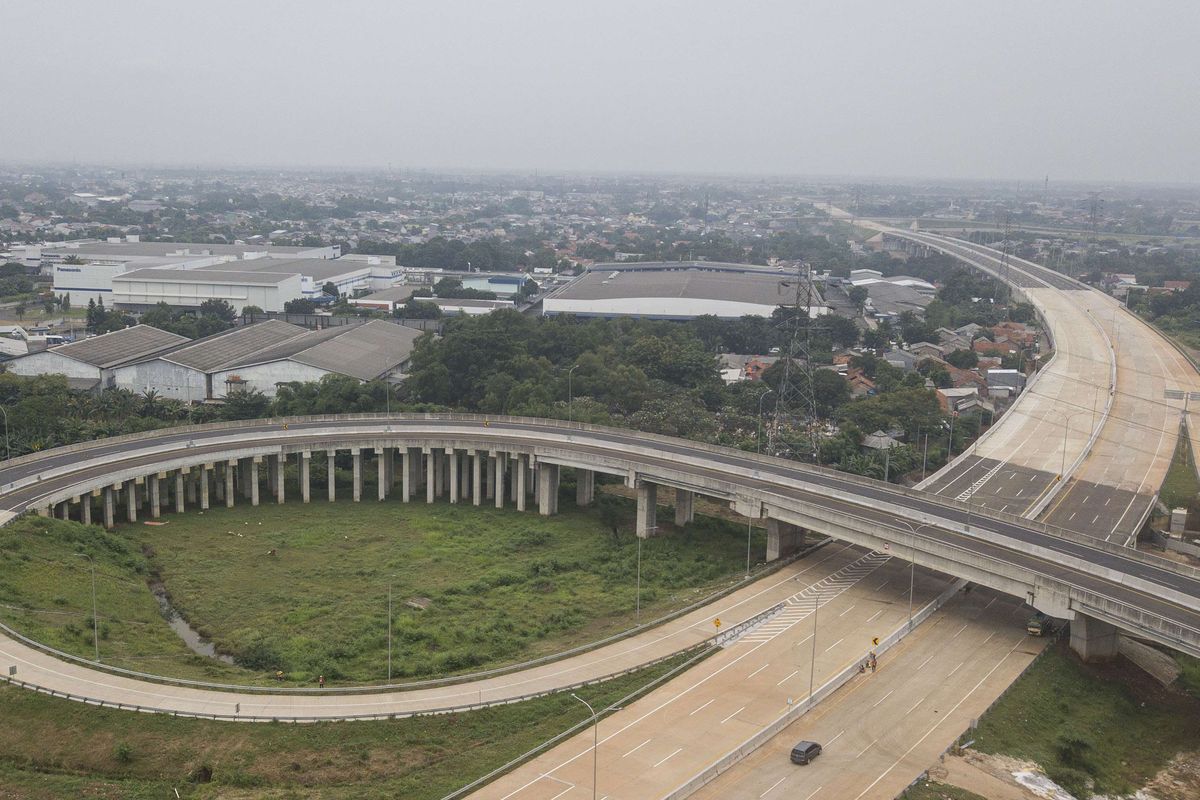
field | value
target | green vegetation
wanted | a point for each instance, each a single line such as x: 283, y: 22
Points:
x: 1108, y: 726
x: 52, y: 748
x: 1180, y: 486
x: 304, y: 588
x: 932, y: 790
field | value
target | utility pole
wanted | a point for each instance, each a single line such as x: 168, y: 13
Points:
x: 796, y: 401
x: 1094, y: 204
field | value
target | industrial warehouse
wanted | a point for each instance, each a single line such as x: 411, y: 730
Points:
x: 258, y: 357
x: 679, y: 291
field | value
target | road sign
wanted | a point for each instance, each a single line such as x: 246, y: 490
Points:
x: 887, y: 546
x: 875, y: 640
x: 717, y: 623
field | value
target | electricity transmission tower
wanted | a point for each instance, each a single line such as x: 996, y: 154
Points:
x: 1094, y: 203
x: 794, y: 431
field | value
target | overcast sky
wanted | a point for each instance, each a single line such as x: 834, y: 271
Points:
x: 1076, y: 90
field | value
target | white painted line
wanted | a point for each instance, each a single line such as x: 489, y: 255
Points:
x: 760, y: 669
x: 668, y: 758
x: 914, y: 705
x: 810, y: 797
x: 865, y: 749
x: 989, y: 638
x: 848, y: 610
x: 956, y: 669
x: 789, y: 676
x: 885, y: 583
x: 834, y: 739
x: 835, y: 644
x: 560, y: 794
x: 639, y: 747
x: 989, y: 604
x: 960, y: 630
x: 877, y: 613
x: 731, y: 716
x: 701, y: 708
x: 926, y: 661
x: 773, y: 785
x: 885, y: 697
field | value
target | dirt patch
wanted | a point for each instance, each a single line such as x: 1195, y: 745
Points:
x: 987, y: 776
x: 1179, y: 781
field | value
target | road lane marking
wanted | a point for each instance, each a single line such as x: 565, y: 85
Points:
x: 731, y: 716
x: 789, y: 676
x: 956, y: 669
x: 668, y: 758
x: 848, y: 610
x: 773, y: 785
x: 960, y: 630
x: 865, y: 749
x: 564, y: 791
x: 926, y: 661
x: 872, y: 619
x: 885, y: 583
x: 835, y: 644
x: 914, y: 705
x: 814, y: 792
x: 886, y: 696
x: 989, y: 604
x: 639, y: 747
x: 834, y: 739
x: 701, y: 708
x: 760, y: 669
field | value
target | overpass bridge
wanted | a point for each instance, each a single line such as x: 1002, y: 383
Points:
x: 1100, y: 586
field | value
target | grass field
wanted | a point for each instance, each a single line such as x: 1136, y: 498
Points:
x: 54, y: 748
x: 932, y: 790
x: 1180, y: 485
x: 1108, y: 724
x: 497, y: 586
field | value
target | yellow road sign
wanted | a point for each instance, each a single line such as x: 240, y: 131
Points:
x: 875, y: 641
x: 717, y: 622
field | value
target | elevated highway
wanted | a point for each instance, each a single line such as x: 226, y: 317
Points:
x: 472, y: 458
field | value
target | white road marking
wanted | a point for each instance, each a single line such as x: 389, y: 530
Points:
x: 877, y: 613
x: 914, y: 705
x: 885, y: 697
x: 701, y: 708
x: 560, y: 794
x: 835, y: 644
x: 885, y: 583
x: 668, y: 758
x: 731, y: 716
x: 956, y: 669
x: 834, y: 739
x: 639, y: 747
x: 814, y: 792
x: 926, y: 661
x: 789, y: 676
x: 865, y: 749
x: 760, y: 669
x: 773, y: 785
x: 848, y: 610
x: 960, y: 630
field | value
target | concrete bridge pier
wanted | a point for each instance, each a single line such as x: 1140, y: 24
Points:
x: 109, y: 508
x: 547, y: 475
x: 685, y: 507
x: 228, y: 483
x: 155, y: 496
x: 243, y: 473
x: 202, y: 479
x: 491, y: 473
x: 381, y: 472
x: 358, y: 474
x: 455, y: 474
x: 191, y: 486
x: 783, y: 539
x: 254, y: 462
x: 498, y: 461
x: 280, y: 462
x: 331, y: 474
x: 274, y: 469
x: 1093, y: 639
x: 131, y: 501
x: 647, y: 509
x: 585, y: 487
x: 406, y: 477
x: 180, y: 480
x: 430, y: 476
x: 305, y: 476
x: 85, y: 508
x: 477, y: 460
x: 520, y: 484
x: 464, y: 475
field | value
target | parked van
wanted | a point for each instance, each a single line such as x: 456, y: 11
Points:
x: 805, y: 752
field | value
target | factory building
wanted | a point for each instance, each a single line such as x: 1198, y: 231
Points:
x: 92, y: 363
x: 142, y: 289
x: 678, y: 291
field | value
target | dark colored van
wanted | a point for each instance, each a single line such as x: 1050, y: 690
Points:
x: 805, y: 752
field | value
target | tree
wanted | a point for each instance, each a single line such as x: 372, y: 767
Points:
x: 245, y: 404
x: 843, y: 332
x: 963, y: 359
x: 20, y: 309
x: 858, y: 296
x: 219, y: 309
x: 300, y: 305
x: 330, y: 288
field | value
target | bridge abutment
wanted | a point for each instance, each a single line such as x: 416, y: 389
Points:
x: 1093, y: 639
x: 783, y: 539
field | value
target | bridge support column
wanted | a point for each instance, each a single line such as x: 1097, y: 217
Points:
x: 109, y: 503
x: 131, y: 501
x: 244, y: 474
x: 455, y: 486
x: 357, y: 454
x: 406, y: 480
x: 155, y: 496
x: 280, y: 462
x: 498, y: 461
x: 229, y: 483
x: 274, y: 470
x: 254, y: 462
x: 202, y: 478
x: 1093, y: 639
x: 647, y: 509
x: 547, y: 488
x: 305, y: 476
x: 331, y: 474
x: 514, y: 467
x: 180, y: 480
x: 381, y: 472
x: 522, y: 481
x: 491, y: 474
x: 85, y: 509
x: 585, y: 487
x: 685, y: 507
x: 431, y: 476
x: 64, y: 510
x: 477, y: 477
x: 783, y: 539
x: 191, y: 487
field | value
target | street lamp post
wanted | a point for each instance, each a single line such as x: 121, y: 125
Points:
x: 638, y: 611
x: 758, y: 437
x: 749, y: 530
x: 595, y: 740
x: 389, y: 631
x: 812, y: 663
x: 1066, y: 430
x: 570, y: 395
x: 912, y: 563
x: 95, y: 619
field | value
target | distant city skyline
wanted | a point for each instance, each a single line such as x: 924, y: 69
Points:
x: 873, y: 90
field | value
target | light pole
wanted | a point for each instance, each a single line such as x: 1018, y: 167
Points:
x: 1066, y: 418
x: 390, y: 630
x: 749, y: 530
x: 912, y: 562
x: 570, y: 395
x: 812, y: 663
x: 758, y: 437
x: 595, y: 740
x: 638, y: 612
x: 95, y: 620
x: 7, y: 446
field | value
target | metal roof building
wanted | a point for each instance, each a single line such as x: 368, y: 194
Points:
x: 141, y: 289
x: 91, y: 362
x: 677, y: 290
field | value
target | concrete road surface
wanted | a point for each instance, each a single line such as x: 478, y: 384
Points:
x: 662, y: 740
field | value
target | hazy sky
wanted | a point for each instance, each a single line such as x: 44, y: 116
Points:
x: 1076, y: 90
